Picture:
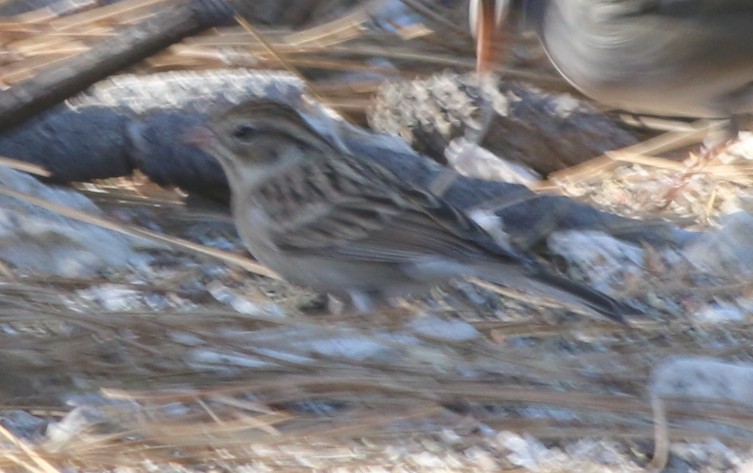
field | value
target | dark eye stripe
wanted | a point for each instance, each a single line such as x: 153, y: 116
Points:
x: 243, y: 132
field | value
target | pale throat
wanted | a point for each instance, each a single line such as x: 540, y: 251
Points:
x: 247, y: 176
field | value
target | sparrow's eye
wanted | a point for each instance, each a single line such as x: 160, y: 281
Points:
x: 244, y: 132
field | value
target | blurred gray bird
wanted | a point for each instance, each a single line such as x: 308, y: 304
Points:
x: 322, y: 217
x: 680, y: 58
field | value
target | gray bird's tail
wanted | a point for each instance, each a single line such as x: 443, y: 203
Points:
x: 588, y: 297
x: 539, y: 281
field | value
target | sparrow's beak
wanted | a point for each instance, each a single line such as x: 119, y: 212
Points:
x: 199, y: 136
x: 486, y: 18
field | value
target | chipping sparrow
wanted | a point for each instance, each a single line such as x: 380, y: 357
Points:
x: 321, y: 217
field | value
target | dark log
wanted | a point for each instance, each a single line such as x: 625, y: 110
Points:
x: 544, y: 131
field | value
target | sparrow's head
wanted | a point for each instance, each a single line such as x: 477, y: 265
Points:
x: 258, y: 136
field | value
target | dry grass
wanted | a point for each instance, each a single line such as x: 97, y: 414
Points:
x: 211, y: 385
x: 201, y: 383
x: 32, y: 42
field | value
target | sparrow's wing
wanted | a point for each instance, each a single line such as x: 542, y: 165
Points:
x: 355, y: 209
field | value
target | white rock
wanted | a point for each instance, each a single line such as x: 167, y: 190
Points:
x: 113, y: 297
x: 445, y: 330
x: 720, y: 313
x: 703, y: 378
x: 472, y: 160
x: 525, y: 452
x: 601, y: 256
x: 46, y: 242
x: 242, y: 304
x: 726, y: 250
x: 352, y: 347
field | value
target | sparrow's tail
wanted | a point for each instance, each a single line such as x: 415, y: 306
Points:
x: 539, y: 281
x: 588, y: 297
